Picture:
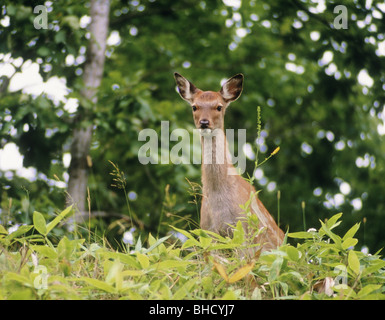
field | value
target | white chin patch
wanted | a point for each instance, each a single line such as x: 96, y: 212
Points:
x: 205, y: 132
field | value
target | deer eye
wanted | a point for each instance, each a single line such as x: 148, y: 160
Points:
x: 194, y: 108
x: 219, y: 108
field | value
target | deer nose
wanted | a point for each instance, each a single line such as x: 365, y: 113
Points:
x: 204, y: 123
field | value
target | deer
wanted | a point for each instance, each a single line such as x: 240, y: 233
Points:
x: 224, y: 191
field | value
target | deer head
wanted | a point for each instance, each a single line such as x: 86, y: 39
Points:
x: 209, y: 106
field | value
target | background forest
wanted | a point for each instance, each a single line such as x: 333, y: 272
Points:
x: 317, y: 74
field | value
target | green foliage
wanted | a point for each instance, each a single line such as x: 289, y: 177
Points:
x: 304, y: 103
x: 206, y: 265
x: 274, y: 44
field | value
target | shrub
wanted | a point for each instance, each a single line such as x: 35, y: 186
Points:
x: 204, y: 265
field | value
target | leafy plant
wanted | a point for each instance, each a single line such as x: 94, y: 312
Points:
x: 323, y: 265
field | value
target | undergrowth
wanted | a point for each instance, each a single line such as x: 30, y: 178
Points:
x: 205, y: 265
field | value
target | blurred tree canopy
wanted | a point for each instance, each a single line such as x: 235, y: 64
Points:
x: 320, y: 87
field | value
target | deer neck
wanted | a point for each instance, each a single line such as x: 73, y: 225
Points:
x: 215, y: 161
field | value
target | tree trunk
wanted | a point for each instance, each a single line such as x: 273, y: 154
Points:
x: 92, y: 76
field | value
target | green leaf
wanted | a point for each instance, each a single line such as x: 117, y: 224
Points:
x: 349, y: 242
x: 115, y: 275
x: 45, y: 251
x: 19, y: 232
x: 23, y: 294
x: 207, y: 284
x: 184, y: 290
x: 168, y: 264
x: 239, y: 233
x: 301, y: 235
x: 60, y: 36
x: 3, y: 230
x: 352, y: 231
x: 205, y: 242
x: 67, y: 247
x: 328, y: 232
x: 151, y: 240
x: 225, y: 246
x: 156, y: 244
x: 39, y: 223
x: 345, y: 291
x: 97, y: 284
x: 229, y: 295
x: 133, y: 273
x: 129, y: 260
x: 373, y: 267
x: 293, y: 253
x: 209, y: 234
x: 138, y: 245
x: 59, y: 218
x: 43, y: 51
x: 332, y: 222
x: 143, y: 260
x: 353, y: 262
x: 275, y: 269
x: 11, y: 10
x: 19, y: 278
x: 191, y: 243
x: 368, y: 289
x: 184, y: 232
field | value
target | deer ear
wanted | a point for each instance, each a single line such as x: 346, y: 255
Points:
x: 232, y: 88
x: 185, y: 88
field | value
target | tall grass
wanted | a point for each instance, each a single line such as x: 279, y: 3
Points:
x: 323, y: 265
x: 120, y: 183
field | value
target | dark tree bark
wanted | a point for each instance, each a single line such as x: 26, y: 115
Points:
x: 92, y: 76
